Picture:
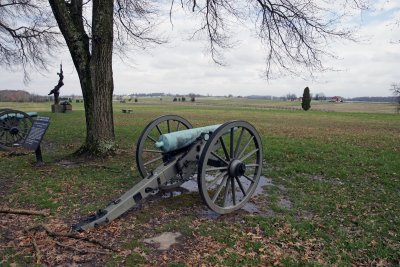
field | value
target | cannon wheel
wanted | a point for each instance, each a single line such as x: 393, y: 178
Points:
x: 147, y: 156
x: 14, y: 127
x: 230, y: 166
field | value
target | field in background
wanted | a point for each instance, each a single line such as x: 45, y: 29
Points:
x: 333, y: 196
x: 244, y: 103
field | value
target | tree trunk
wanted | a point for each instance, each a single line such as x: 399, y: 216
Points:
x: 94, y: 69
x: 100, y: 138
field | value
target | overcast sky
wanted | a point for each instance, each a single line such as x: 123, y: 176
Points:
x: 364, y: 68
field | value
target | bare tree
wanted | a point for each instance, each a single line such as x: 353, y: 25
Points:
x: 295, y: 33
x: 27, y: 34
x: 396, y: 91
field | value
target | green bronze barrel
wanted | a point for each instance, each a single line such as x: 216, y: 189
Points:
x: 177, y: 140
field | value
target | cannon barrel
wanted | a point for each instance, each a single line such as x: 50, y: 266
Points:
x: 177, y: 140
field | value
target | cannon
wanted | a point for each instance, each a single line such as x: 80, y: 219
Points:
x: 14, y: 127
x: 226, y: 160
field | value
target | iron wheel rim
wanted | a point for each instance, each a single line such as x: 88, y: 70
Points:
x: 173, y: 123
x: 14, y: 127
x: 239, y: 151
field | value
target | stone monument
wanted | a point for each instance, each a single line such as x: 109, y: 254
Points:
x: 56, y: 107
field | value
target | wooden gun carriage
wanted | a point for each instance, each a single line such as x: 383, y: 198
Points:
x: 225, y: 159
x: 14, y: 127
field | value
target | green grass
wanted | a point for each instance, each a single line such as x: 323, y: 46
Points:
x: 340, y: 170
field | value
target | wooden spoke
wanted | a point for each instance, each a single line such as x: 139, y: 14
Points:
x: 224, y: 148
x: 226, y: 192
x: 233, y: 191
x: 240, y: 186
x: 177, y: 126
x: 159, y: 130
x: 151, y: 138
x: 169, y: 128
x: 219, y: 189
x: 21, y: 137
x: 213, y: 182
x: 248, y: 178
x: 247, y: 144
x: 249, y: 155
x: 153, y: 160
x: 219, y: 157
x: 152, y: 151
x: 231, y: 144
x: 216, y: 169
x: 252, y: 165
x: 238, y: 142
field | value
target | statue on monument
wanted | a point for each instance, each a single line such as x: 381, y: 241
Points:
x: 56, y: 90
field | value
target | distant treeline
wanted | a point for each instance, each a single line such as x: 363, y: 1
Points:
x: 160, y: 95
x: 327, y: 98
x: 373, y: 99
x: 21, y: 96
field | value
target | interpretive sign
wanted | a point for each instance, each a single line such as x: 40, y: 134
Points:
x: 35, y: 136
x: 36, y: 133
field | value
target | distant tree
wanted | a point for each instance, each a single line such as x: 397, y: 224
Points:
x: 320, y: 96
x: 175, y: 99
x: 396, y: 91
x: 291, y: 97
x: 192, y: 97
x: 136, y: 99
x: 306, y: 100
x: 183, y: 99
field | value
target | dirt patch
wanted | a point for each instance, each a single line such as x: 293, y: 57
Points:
x: 285, y: 203
x: 323, y: 179
x: 164, y: 241
x: 5, y: 185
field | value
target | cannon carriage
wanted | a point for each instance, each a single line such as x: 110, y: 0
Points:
x: 225, y: 159
x: 14, y: 127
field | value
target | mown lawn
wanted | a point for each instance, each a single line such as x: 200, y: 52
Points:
x: 334, y: 197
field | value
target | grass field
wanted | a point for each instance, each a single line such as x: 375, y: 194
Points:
x: 333, y: 197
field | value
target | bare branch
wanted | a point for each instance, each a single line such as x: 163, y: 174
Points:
x: 133, y: 23
x: 27, y: 34
x: 295, y: 33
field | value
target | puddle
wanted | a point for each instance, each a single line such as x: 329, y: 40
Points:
x: 173, y: 192
x: 191, y: 186
x: 208, y: 214
x: 251, y: 208
x: 264, y: 181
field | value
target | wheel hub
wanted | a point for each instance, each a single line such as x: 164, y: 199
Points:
x: 237, y: 168
x: 14, y: 130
